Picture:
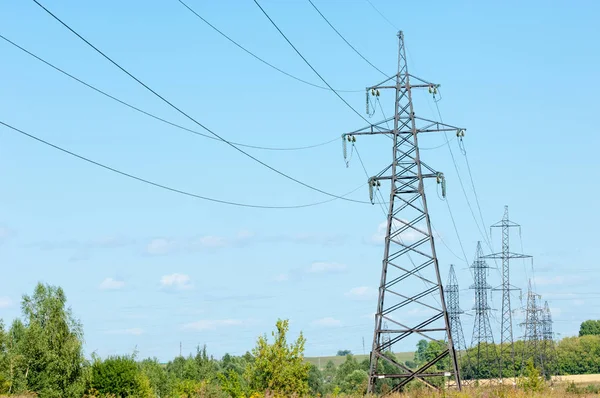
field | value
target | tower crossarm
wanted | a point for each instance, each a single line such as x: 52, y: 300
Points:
x: 507, y: 255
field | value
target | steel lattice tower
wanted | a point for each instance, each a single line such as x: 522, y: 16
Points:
x: 454, y: 311
x: 547, y: 323
x: 534, y: 328
x: 482, y: 331
x: 548, y: 340
x: 506, y: 329
x: 411, y: 297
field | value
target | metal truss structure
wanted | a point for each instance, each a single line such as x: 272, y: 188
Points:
x: 506, y: 329
x: 411, y: 298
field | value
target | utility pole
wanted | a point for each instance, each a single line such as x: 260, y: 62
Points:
x: 506, y: 328
x: 482, y: 331
x: 411, y: 297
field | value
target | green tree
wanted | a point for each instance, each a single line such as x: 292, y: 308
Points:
x: 343, y: 353
x: 120, y: 376
x: 578, y: 355
x: 589, y: 327
x: 315, y: 381
x: 356, y: 382
x: 531, y: 381
x: 157, y: 376
x: 349, y: 365
x: 46, y: 354
x: 279, y: 368
x: 420, y: 352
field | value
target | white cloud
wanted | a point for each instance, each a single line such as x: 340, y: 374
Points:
x: 281, y: 278
x: 245, y: 234
x: 132, y: 331
x: 6, y: 233
x: 320, y: 267
x: 361, y: 292
x: 327, y: 322
x: 111, y: 284
x: 5, y: 302
x: 212, y: 324
x: 211, y: 241
x: 557, y: 280
x: 555, y: 311
x: 160, y: 246
x: 408, y: 236
x: 176, y: 281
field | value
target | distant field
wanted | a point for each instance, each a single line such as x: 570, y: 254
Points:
x: 577, y: 379
x: 322, y: 361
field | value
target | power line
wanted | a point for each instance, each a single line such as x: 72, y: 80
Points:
x: 383, y: 16
x: 456, y: 230
x: 464, y: 152
x: 153, y: 115
x: 256, y: 56
x: 165, y: 187
x: 190, y: 117
x: 484, y: 236
x: 308, y: 63
x: 344, y: 39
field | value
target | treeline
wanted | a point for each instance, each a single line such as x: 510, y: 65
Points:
x: 42, y: 353
x: 569, y: 356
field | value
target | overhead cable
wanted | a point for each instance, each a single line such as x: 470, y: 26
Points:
x: 162, y: 186
x: 256, y: 56
x: 308, y: 63
x: 344, y: 39
x: 190, y: 117
x: 155, y: 116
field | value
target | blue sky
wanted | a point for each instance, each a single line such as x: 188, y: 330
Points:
x: 149, y: 269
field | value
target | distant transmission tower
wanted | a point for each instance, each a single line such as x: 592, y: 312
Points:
x: 386, y: 338
x: 454, y: 311
x: 411, y: 297
x: 548, y: 341
x: 534, y: 329
x: 482, y: 331
x: 506, y: 330
x: 547, y: 334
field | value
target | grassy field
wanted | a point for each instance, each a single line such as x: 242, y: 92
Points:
x: 578, y: 379
x: 322, y: 361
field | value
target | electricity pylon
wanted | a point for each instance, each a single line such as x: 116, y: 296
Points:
x: 482, y: 331
x: 506, y: 329
x: 534, y: 326
x: 548, y: 340
x: 454, y: 311
x: 547, y: 323
x: 411, y: 297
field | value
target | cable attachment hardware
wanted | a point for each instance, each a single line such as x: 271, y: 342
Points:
x: 373, y: 183
x: 433, y: 88
x: 441, y: 180
x: 374, y: 93
x: 460, y: 133
x: 351, y: 139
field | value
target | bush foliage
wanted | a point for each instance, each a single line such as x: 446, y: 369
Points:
x: 41, y: 353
